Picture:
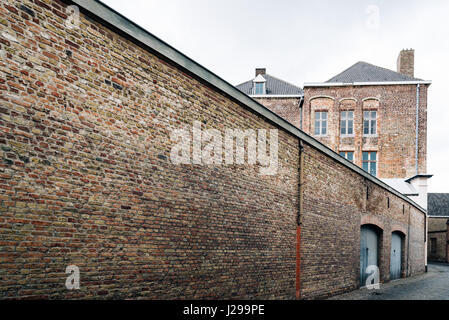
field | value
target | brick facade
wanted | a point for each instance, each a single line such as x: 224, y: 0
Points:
x: 335, y: 206
x: 86, y: 179
x: 396, y: 123
x: 286, y: 108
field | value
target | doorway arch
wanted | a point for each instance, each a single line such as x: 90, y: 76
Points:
x: 396, y: 254
x: 370, y: 237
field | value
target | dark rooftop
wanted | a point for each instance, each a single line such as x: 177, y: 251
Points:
x: 366, y: 72
x: 274, y: 86
x: 438, y: 204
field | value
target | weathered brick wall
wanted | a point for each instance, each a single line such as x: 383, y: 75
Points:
x: 86, y: 179
x: 438, y: 231
x: 395, y: 141
x: 335, y: 205
x: 287, y: 108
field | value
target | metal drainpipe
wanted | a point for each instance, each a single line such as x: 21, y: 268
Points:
x: 425, y: 241
x: 417, y: 127
x: 417, y: 168
x: 407, y: 274
x: 299, y: 222
x: 301, y: 102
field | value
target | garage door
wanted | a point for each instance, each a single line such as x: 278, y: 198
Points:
x: 396, y: 254
x: 368, y: 252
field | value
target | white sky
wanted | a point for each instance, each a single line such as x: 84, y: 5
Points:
x: 311, y: 41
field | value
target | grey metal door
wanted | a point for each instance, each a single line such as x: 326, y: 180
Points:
x: 368, y: 252
x: 396, y: 254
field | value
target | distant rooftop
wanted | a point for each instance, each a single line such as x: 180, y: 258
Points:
x: 274, y: 86
x: 438, y: 204
x: 366, y: 72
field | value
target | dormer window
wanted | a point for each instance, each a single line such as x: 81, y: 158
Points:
x: 259, y: 85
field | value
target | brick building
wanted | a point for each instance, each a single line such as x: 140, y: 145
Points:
x: 438, y: 230
x: 372, y: 116
x: 281, y: 97
x: 89, y: 104
x: 377, y: 118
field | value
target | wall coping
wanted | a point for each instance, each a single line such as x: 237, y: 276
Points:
x: 372, y: 83
x: 276, y: 96
x: 110, y: 17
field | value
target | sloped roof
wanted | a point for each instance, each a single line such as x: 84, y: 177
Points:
x: 402, y: 186
x: 366, y: 72
x: 438, y: 204
x: 274, y: 86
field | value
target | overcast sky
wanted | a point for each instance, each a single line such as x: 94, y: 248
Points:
x: 311, y: 41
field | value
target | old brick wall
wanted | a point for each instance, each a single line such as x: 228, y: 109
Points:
x: 287, y: 108
x: 86, y: 179
x: 395, y: 141
x: 335, y: 206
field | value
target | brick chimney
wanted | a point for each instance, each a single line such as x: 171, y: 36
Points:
x: 406, y: 62
x: 261, y: 71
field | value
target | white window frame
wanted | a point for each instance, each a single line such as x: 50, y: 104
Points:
x: 370, y: 162
x: 346, y: 155
x: 370, y: 124
x: 347, y: 120
x: 321, y: 120
x: 263, y: 88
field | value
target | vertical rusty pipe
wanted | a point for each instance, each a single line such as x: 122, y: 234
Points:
x: 447, y: 241
x: 408, y: 245
x: 299, y: 220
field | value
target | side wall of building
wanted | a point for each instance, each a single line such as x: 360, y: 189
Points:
x: 286, y: 108
x: 336, y: 203
x: 396, y: 123
x: 87, y: 179
x: 437, y: 247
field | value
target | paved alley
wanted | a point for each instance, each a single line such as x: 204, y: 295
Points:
x: 433, y: 285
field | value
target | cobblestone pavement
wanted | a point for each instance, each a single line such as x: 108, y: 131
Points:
x: 433, y: 285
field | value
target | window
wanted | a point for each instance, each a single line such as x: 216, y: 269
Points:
x: 369, y: 160
x: 369, y: 122
x: 259, y: 88
x: 320, y: 123
x: 433, y: 245
x: 349, y: 155
x: 347, y: 123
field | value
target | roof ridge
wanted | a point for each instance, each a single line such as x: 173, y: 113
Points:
x: 375, y: 67
x: 243, y: 83
x: 284, y: 81
x: 343, y: 71
x: 411, y: 78
x: 274, y: 86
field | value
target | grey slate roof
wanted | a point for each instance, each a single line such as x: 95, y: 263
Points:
x: 438, y: 204
x: 366, y: 72
x: 274, y: 86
